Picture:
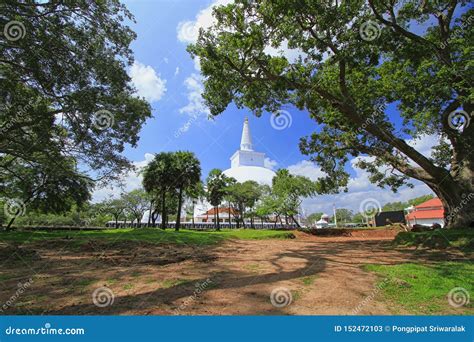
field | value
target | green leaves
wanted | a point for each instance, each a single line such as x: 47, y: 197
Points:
x: 168, y: 176
x: 216, y: 186
x: 71, y: 62
x: 354, y: 60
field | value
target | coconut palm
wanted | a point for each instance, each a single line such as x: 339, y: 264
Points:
x: 187, y: 172
x: 157, y: 180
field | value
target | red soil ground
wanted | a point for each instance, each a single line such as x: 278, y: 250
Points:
x: 323, y: 275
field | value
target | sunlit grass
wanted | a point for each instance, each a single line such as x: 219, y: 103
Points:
x: 462, y: 239
x: 423, y: 289
x: 145, y: 235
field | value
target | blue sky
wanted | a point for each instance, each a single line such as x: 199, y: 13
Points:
x: 213, y: 141
x: 165, y: 74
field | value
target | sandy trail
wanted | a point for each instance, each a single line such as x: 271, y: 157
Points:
x: 323, y: 276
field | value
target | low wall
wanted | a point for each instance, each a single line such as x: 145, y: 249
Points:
x: 197, y: 226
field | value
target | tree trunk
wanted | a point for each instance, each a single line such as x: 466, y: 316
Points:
x: 218, y: 223
x: 241, y: 212
x: 9, y: 226
x: 458, y: 203
x: 215, y: 220
x: 116, y: 222
x: 154, y: 216
x: 178, y: 216
x: 294, y: 220
x: 230, y: 221
x: 163, y: 210
x: 150, y: 213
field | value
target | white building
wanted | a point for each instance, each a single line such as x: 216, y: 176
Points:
x: 426, y: 213
x: 245, y: 164
x: 323, y: 222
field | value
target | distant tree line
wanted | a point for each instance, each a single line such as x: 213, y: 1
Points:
x: 344, y: 215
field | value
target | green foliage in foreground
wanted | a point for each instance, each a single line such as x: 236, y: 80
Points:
x: 423, y: 289
x: 146, y: 235
x: 462, y: 239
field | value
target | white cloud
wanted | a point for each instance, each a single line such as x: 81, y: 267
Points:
x: 197, y: 63
x: 307, y: 169
x: 188, y: 31
x: 270, y: 163
x: 130, y: 181
x: 359, y: 189
x: 148, y: 84
x: 353, y: 199
x: 424, y: 144
x: 176, y: 71
x: 283, y: 50
x: 195, y: 106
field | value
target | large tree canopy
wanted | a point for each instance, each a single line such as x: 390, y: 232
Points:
x: 64, y: 88
x: 356, y: 58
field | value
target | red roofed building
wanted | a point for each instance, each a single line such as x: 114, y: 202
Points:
x: 209, y: 216
x: 426, y: 213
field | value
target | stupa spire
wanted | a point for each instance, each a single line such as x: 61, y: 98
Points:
x: 246, y: 141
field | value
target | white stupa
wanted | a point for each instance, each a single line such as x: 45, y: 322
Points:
x: 247, y: 164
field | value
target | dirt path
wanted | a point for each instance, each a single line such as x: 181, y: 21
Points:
x: 321, y: 275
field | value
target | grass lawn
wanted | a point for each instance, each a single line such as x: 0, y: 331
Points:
x: 146, y: 235
x: 423, y: 289
x: 462, y: 239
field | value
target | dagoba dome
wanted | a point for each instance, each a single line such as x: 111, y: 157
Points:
x: 247, y: 164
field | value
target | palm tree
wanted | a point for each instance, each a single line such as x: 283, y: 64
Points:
x: 187, y: 171
x: 157, y: 180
